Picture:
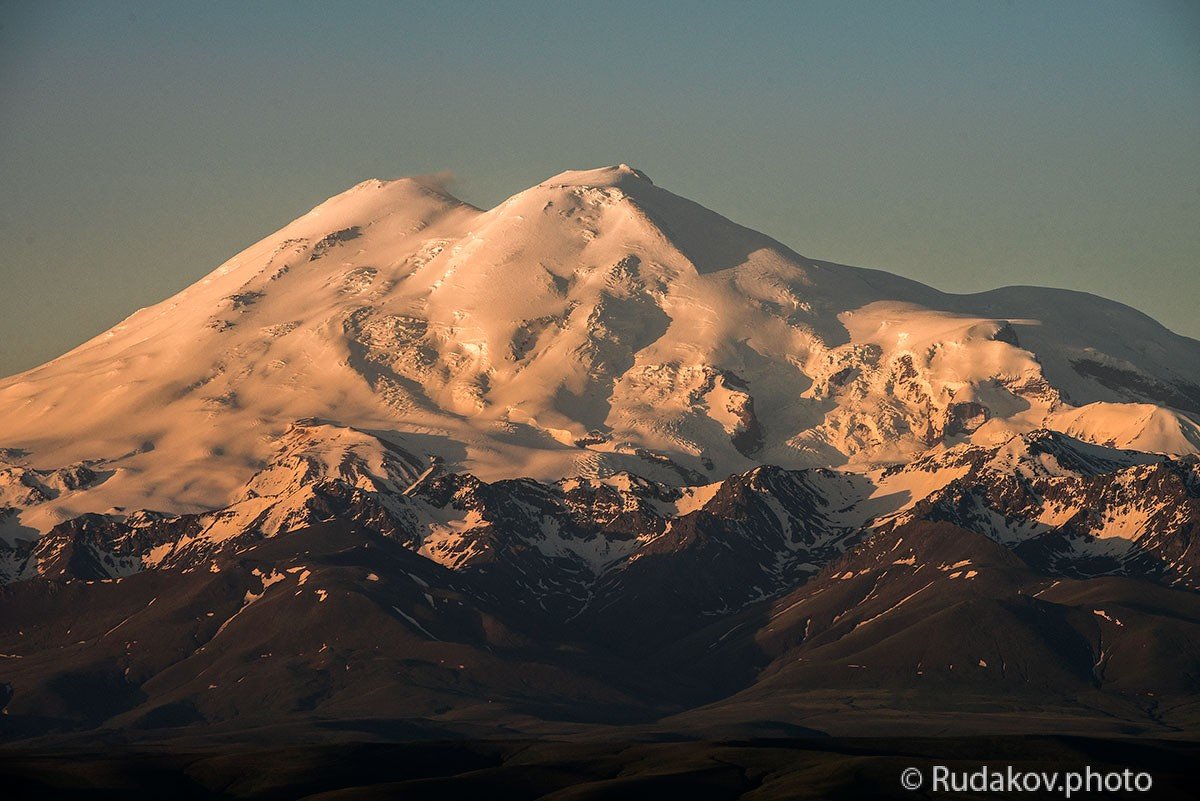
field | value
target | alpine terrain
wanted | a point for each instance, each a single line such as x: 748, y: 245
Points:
x: 597, y: 460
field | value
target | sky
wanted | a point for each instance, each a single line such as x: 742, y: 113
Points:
x: 965, y: 145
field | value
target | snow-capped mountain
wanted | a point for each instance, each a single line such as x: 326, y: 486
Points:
x: 590, y: 325
x: 595, y: 429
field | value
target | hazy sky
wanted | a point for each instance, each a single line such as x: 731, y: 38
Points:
x: 967, y: 145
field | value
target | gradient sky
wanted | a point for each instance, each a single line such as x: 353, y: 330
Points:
x: 967, y: 145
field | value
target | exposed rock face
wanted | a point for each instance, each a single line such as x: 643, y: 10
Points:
x: 964, y: 417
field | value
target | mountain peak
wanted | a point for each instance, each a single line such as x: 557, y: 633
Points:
x: 620, y: 175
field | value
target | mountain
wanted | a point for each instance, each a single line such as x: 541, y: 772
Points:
x: 590, y: 325
x: 598, y: 457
